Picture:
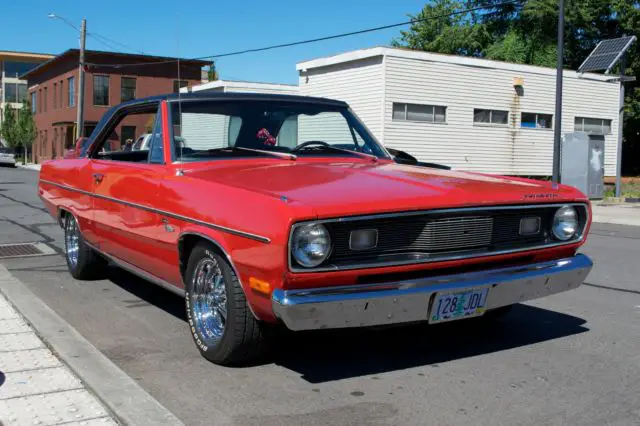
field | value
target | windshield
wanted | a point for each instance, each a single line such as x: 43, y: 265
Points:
x: 205, y: 130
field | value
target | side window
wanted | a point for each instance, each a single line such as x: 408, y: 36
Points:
x: 131, y: 137
x: 156, y: 150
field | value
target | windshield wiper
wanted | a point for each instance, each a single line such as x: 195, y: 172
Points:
x: 284, y: 155
x: 346, y: 151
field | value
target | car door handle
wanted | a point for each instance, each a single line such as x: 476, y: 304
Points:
x: 97, y: 177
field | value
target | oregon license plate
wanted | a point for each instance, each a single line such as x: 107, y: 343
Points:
x: 458, y: 305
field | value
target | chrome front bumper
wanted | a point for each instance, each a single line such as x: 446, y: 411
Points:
x: 409, y: 301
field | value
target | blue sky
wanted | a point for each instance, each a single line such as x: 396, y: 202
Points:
x: 198, y: 28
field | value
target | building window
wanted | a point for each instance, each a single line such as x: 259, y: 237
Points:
x: 44, y: 104
x: 128, y: 89
x: 490, y: 116
x: 597, y: 126
x: 15, y: 92
x: 61, y: 94
x: 101, y: 90
x: 40, y: 100
x: 34, y: 102
x: 417, y: 112
x: 55, y: 95
x: 16, y: 69
x: 536, y: 121
x: 179, y: 84
x: 71, y: 91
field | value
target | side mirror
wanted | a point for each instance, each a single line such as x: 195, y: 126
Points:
x: 402, y: 157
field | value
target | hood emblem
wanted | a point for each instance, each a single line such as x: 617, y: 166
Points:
x: 537, y: 196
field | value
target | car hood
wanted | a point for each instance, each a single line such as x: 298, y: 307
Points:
x: 350, y: 188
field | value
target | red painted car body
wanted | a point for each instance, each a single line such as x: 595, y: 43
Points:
x: 141, y: 213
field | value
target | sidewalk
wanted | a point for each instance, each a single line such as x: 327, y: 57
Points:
x: 30, y: 166
x: 36, y: 388
x: 619, y: 214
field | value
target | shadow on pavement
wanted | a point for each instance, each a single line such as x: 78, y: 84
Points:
x: 2, y: 378
x: 148, y: 292
x: 323, y: 356
x: 326, y: 356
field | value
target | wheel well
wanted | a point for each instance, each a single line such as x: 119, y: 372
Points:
x: 187, y: 243
x: 62, y: 214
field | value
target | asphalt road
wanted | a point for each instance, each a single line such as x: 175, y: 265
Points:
x: 572, y: 358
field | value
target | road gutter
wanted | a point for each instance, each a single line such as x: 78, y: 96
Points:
x: 128, y: 402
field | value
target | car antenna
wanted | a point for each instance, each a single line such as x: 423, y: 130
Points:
x: 180, y: 170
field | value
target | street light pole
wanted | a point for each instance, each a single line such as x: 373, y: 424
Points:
x: 80, y: 118
x: 557, y: 131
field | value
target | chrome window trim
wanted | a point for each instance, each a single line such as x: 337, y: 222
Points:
x: 442, y: 258
x: 232, y: 231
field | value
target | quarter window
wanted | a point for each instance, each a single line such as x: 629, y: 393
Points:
x: 418, y: 112
x: 128, y: 89
x: 490, y: 116
x: 597, y: 126
x: 101, y: 90
x: 536, y: 121
x: 156, y: 152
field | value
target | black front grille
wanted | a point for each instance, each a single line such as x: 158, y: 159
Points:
x: 430, y: 234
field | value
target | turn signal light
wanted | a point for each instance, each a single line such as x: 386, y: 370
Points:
x: 259, y: 285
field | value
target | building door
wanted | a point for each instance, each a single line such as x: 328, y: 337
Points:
x: 68, y: 140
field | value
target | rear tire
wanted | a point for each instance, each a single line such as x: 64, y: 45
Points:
x: 221, y: 323
x: 83, y: 262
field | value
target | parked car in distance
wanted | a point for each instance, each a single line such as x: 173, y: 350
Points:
x: 7, y: 157
x: 271, y: 210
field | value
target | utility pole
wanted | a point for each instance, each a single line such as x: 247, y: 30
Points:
x: 557, y: 133
x: 80, y: 118
x: 623, y: 67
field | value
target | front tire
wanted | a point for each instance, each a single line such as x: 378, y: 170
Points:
x: 221, y: 323
x: 82, y: 261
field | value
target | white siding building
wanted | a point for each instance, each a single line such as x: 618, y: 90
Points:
x: 243, y: 86
x: 469, y: 113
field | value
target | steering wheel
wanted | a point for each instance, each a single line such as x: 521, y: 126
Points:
x: 309, y: 143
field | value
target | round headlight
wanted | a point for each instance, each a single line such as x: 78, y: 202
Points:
x: 310, y: 244
x: 565, y: 223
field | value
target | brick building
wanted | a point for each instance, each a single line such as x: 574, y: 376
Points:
x: 53, y: 89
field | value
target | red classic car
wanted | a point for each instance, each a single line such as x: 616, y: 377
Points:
x: 267, y: 209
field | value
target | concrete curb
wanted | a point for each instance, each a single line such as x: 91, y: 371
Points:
x: 130, y: 404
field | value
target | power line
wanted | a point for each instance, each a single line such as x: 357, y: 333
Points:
x: 104, y: 39
x: 318, y: 39
x: 103, y: 42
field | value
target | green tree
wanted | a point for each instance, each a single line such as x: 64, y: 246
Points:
x: 527, y: 34
x: 8, y: 128
x: 212, y: 73
x: 26, y: 130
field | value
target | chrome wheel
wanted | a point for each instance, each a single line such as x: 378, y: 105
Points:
x: 71, y: 240
x: 209, y: 301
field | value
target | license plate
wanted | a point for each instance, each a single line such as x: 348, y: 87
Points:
x: 458, y: 305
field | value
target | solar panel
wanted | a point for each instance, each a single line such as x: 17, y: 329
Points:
x: 606, y: 54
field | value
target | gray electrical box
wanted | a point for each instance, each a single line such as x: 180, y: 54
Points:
x: 582, y: 163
